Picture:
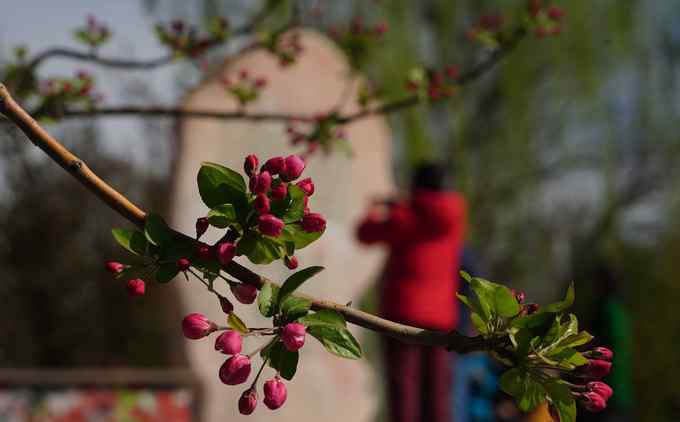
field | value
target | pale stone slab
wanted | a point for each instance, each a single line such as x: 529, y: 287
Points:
x: 326, y: 388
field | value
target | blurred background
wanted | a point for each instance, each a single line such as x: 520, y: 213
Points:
x: 567, y: 153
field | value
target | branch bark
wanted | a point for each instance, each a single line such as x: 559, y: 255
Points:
x: 78, y: 169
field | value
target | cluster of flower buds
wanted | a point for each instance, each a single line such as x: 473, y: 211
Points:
x: 244, y: 88
x: 286, y: 46
x: 433, y: 84
x: 184, y: 39
x: 356, y: 39
x: 237, y: 368
x: 94, y: 33
x: 592, y: 393
x: 545, y: 20
x: 135, y: 286
x: 79, y: 88
x: 488, y: 30
x: 321, y: 131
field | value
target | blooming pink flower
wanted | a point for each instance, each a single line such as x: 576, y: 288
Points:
x: 313, y: 222
x: 248, y: 402
x: 593, y: 402
x: 226, y: 252
x: 600, y: 388
x: 275, y: 165
x: 261, y: 204
x: 279, y: 191
x: 250, y: 164
x: 114, y: 267
x: 229, y: 342
x: 295, y: 165
x: 293, y: 336
x: 136, y: 287
x: 235, y: 370
x: 291, y: 262
x: 275, y: 394
x: 306, y: 185
x: 183, y: 264
x: 244, y: 293
x: 226, y: 305
x: 270, y: 225
x: 260, y: 183
x: 202, y: 225
x: 195, y: 326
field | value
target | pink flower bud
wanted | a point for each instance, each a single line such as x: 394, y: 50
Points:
x: 293, y: 336
x: 519, y: 296
x: 229, y: 342
x: 593, y: 402
x: 205, y: 251
x: 235, y: 370
x: 250, y: 164
x: 279, y: 191
x: 248, y: 402
x: 261, y: 204
x: 114, y: 267
x: 276, y: 165
x: 183, y: 264
x: 244, y: 293
x: 195, y: 326
x: 291, y: 262
x: 313, y: 222
x: 274, y: 393
x: 226, y: 305
x: 226, y: 252
x: 306, y: 185
x: 136, y: 287
x: 295, y: 165
x: 260, y: 83
x: 595, y: 368
x: 270, y: 225
x: 260, y: 183
x: 555, y: 13
x: 202, y: 225
x: 600, y: 388
x: 600, y: 353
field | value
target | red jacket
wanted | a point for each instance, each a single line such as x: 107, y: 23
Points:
x: 425, y: 237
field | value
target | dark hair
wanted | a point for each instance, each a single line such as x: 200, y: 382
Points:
x: 429, y: 175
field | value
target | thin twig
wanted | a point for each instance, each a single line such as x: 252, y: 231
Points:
x: 78, y: 169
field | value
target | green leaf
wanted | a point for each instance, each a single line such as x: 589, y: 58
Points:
x: 562, y: 400
x: 294, y: 307
x: 336, y: 340
x: 479, y: 323
x: 259, y: 249
x: 562, y: 305
x: 568, y: 358
x: 296, y: 208
x: 237, y: 323
x: 222, y: 216
x: 295, y: 280
x: 294, y: 233
x: 132, y: 240
x: 267, y: 299
x: 284, y: 361
x: 219, y: 185
x: 166, y: 272
x: 323, y: 317
x: 576, y: 340
x: 157, y: 231
x: 494, y: 299
x: 528, y: 392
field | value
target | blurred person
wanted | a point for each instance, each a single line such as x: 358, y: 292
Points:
x: 424, y: 235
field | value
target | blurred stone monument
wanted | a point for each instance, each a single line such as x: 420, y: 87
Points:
x: 326, y: 387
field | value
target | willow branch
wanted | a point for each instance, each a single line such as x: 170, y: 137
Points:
x: 78, y: 169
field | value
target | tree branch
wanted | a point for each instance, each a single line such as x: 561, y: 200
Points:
x: 78, y: 169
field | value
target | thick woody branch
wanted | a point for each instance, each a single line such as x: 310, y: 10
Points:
x: 78, y: 169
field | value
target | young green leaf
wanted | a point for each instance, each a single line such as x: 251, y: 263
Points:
x: 322, y: 317
x: 283, y: 361
x: 267, y: 299
x: 237, y: 323
x: 219, y: 185
x: 157, y: 231
x: 294, y: 307
x: 527, y: 391
x: 561, y: 305
x: 132, y: 240
x: 296, y: 207
x: 222, y: 216
x: 336, y: 340
x: 562, y: 400
x: 294, y: 233
x: 294, y: 281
